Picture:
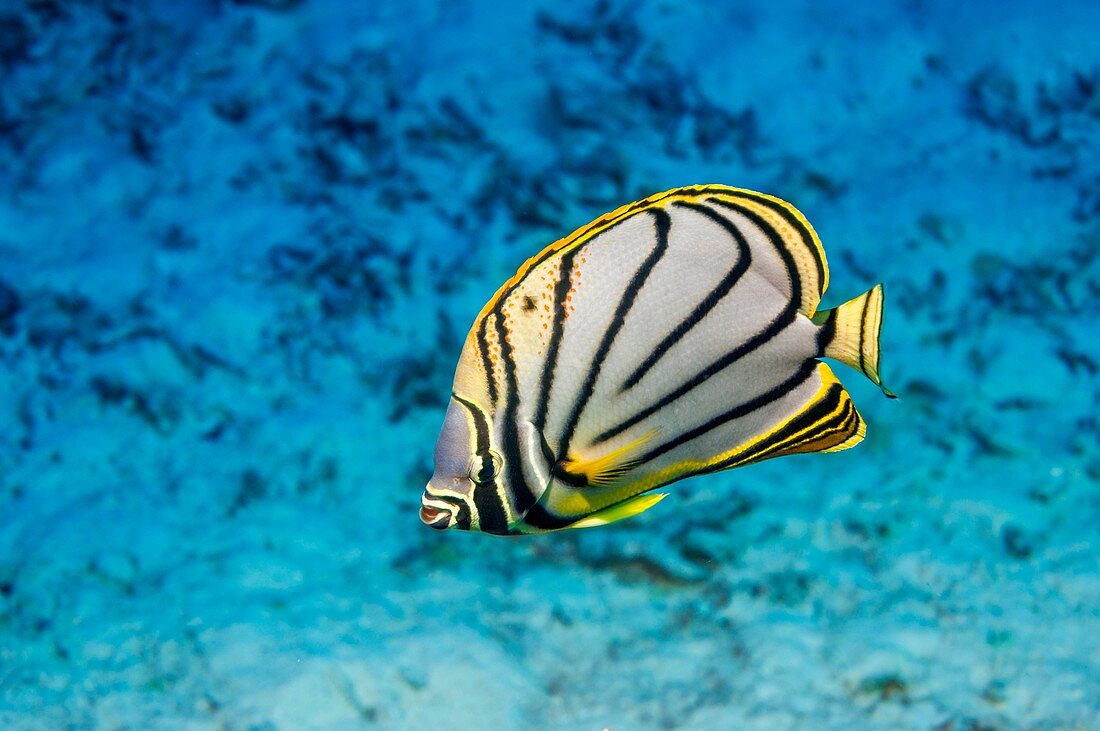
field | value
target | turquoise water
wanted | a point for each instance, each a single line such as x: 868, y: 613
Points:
x: 241, y: 244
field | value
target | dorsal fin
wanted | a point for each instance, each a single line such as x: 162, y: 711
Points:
x: 790, y: 228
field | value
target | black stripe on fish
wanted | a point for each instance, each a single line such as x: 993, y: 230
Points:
x: 781, y: 438
x: 839, y: 420
x: 579, y: 236
x: 847, y: 427
x: 835, y: 415
x: 741, y: 410
x: 557, y: 331
x: 744, y: 259
x: 522, y: 495
x: 481, y: 422
x: 547, y: 453
x: 462, y: 517
x: 483, y: 350
x: 781, y: 321
x: 862, y: 328
x: 826, y: 333
x: 523, y: 498
x: 776, y: 241
x: 564, y: 476
x: 663, y: 222
x: 542, y: 519
x: 549, y: 252
x: 803, y: 231
x: 481, y: 437
x: 773, y: 329
x: 492, y: 515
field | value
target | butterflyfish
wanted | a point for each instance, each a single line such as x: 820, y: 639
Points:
x: 675, y: 336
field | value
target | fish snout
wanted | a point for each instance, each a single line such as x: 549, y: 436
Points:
x: 437, y: 513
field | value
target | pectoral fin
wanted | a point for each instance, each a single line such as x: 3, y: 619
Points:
x: 621, y: 511
x: 601, y: 471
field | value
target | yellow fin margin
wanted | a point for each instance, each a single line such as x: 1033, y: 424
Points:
x: 798, y: 238
x: 778, y: 440
x: 838, y: 429
x: 621, y: 511
x: 761, y: 202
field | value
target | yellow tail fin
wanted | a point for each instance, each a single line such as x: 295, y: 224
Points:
x: 850, y: 333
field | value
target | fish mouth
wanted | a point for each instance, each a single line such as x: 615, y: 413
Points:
x: 437, y: 512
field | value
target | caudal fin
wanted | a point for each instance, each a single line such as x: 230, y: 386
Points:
x: 850, y: 333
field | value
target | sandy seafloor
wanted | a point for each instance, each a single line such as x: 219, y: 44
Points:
x: 241, y: 243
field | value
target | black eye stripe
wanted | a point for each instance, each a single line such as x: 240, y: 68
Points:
x: 462, y: 518
x: 485, y: 466
x: 481, y: 422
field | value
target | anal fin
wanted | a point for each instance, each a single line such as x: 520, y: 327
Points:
x: 621, y: 511
x: 827, y: 423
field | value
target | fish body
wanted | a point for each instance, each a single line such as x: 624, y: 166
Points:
x: 675, y: 336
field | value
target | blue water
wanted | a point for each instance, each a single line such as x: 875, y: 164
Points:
x: 241, y: 244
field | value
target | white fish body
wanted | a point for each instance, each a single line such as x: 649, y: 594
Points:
x: 675, y: 336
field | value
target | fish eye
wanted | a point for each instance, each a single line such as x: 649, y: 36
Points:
x: 485, y: 466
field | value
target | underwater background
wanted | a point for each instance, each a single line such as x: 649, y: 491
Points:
x: 241, y: 244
